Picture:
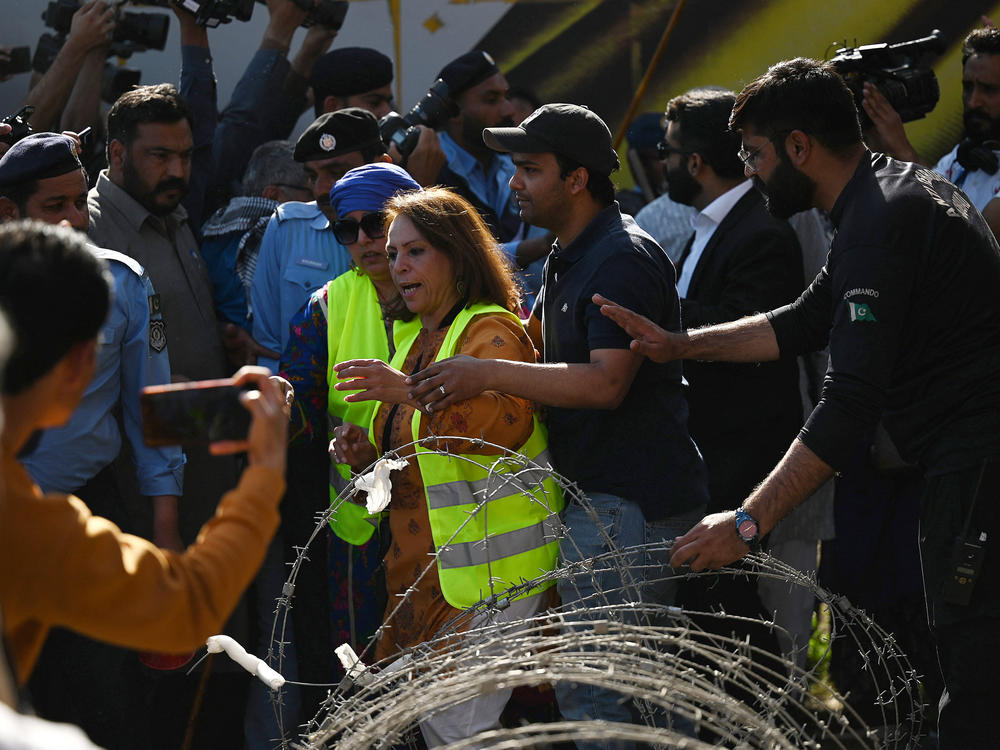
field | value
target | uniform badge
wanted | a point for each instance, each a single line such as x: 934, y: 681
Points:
x: 157, y: 335
x: 154, y: 304
x: 327, y: 142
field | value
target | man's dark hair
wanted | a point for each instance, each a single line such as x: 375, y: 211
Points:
x: 144, y: 104
x: 800, y: 94
x: 600, y: 186
x: 703, y: 118
x: 38, y: 262
x: 981, y: 42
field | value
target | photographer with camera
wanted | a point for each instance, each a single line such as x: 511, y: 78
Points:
x: 477, y: 92
x: 270, y: 95
x: 974, y: 163
x: 71, y: 86
x: 362, y: 77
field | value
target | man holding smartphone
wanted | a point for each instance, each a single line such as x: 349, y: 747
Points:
x: 59, y: 564
x: 41, y: 178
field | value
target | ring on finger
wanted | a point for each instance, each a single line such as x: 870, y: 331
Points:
x: 443, y: 391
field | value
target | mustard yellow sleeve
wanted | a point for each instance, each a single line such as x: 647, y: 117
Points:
x: 82, y: 572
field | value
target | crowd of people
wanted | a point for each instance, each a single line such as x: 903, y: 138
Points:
x: 800, y: 310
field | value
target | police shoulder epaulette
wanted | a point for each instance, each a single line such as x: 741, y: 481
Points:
x: 297, y: 210
x: 125, y: 260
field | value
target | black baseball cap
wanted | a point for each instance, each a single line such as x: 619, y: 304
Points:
x: 336, y: 133
x: 569, y: 130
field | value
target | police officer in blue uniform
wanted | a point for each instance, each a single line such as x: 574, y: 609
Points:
x: 299, y: 253
x: 41, y: 178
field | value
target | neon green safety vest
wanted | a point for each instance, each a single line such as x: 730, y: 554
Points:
x: 355, y: 330
x: 514, y: 536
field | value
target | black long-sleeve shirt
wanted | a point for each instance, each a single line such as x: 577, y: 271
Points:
x: 909, y: 301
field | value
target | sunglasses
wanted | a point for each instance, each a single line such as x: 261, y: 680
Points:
x: 373, y: 225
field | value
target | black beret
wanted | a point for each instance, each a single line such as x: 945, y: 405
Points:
x: 37, y: 157
x: 351, y: 70
x: 336, y: 133
x: 467, y: 71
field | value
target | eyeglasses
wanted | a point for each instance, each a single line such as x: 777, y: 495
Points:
x: 664, y: 150
x: 749, y: 158
x: 373, y: 225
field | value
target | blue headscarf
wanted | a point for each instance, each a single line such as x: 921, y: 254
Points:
x: 369, y: 187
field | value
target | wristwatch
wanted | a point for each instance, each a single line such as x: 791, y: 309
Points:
x: 748, y: 529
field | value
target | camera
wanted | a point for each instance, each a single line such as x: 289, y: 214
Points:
x: 432, y: 110
x: 902, y: 72
x: 19, y: 126
x: 134, y: 32
x: 329, y: 13
x: 213, y: 12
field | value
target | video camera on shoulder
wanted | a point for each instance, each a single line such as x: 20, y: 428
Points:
x: 902, y: 72
x: 134, y: 32
x: 432, y: 110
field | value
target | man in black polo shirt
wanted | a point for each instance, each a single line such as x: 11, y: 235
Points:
x: 908, y: 302
x: 617, y: 421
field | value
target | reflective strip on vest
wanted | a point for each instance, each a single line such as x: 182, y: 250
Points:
x: 496, y: 547
x: 463, y: 492
x: 494, y: 519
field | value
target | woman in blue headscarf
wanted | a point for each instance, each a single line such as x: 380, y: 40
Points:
x: 351, y: 317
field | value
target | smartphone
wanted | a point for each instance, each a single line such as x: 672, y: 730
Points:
x: 196, y: 413
x: 19, y: 61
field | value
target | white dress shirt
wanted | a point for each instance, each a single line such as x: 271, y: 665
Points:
x: 704, y: 223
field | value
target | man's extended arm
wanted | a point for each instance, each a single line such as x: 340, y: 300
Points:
x: 91, y: 27
x: 714, y: 541
x: 599, y: 384
x: 749, y: 339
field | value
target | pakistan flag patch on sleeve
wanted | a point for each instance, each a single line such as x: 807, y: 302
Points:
x: 861, y: 312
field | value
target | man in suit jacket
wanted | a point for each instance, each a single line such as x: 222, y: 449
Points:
x: 740, y: 260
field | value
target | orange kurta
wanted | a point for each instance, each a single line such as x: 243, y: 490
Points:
x: 496, y: 417
x: 61, y: 565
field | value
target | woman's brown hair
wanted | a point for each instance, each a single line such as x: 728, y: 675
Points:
x: 453, y: 226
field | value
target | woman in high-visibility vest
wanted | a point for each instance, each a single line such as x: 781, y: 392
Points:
x: 486, y: 534
x: 349, y: 317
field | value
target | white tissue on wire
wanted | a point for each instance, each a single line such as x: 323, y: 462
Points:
x: 257, y: 667
x: 376, y: 483
x: 355, y: 668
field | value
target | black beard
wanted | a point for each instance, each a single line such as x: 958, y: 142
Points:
x: 788, y: 192
x: 681, y: 186
x: 980, y: 127
x: 135, y: 187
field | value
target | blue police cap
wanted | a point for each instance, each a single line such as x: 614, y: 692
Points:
x: 37, y: 157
